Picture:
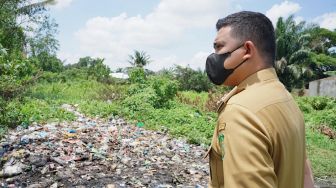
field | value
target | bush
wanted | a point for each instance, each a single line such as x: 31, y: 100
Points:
x: 137, y: 75
x: 30, y: 110
x: 319, y: 103
x: 15, y: 76
x: 304, y: 104
x: 309, y: 104
x: 111, y: 92
x: 49, y: 77
x: 140, y: 103
x: 165, y: 90
x: 190, y: 79
x: 319, y: 110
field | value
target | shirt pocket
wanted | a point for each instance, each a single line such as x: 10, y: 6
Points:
x: 216, y: 169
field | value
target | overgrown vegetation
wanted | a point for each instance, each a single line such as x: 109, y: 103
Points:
x: 34, y: 84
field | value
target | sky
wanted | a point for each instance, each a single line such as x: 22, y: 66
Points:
x: 171, y: 32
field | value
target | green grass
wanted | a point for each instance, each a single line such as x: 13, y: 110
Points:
x: 321, y: 152
x: 42, y: 103
x: 182, y: 121
x: 317, y: 111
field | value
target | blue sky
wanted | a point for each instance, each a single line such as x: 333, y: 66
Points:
x: 171, y: 31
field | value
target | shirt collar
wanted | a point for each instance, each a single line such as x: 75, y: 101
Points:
x: 260, y: 76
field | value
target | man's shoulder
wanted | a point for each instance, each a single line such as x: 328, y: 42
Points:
x: 261, y: 95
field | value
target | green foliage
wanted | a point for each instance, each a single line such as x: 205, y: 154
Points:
x: 302, y: 52
x: 43, y: 42
x: 316, y: 103
x: 93, y: 68
x: 146, y: 94
x: 30, y: 110
x: 319, y: 110
x: 324, y: 62
x: 321, y: 151
x: 42, y: 102
x: 165, y: 90
x: 139, y: 104
x: 139, y: 59
x: 99, y: 108
x: 99, y: 70
x: 47, y: 62
x: 182, y: 121
x: 321, y: 39
x: 13, y: 33
x: 190, y: 79
x: 72, y: 74
x: 15, y: 76
x: 137, y: 75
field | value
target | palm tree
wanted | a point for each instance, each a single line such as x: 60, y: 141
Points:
x: 293, y: 62
x: 139, y: 59
x: 27, y: 9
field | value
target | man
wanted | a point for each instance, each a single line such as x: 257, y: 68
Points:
x: 259, y: 139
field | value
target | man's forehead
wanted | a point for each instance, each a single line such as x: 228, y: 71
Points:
x: 223, y: 34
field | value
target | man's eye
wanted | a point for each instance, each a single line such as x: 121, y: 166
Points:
x: 217, y: 46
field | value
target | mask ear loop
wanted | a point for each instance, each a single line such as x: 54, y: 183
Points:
x: 241, y: 62
x: 237, y: 48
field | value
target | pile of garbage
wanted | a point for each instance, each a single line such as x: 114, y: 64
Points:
x: 93, y: 152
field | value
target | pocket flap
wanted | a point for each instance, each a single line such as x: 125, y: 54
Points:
x: 207, y: 153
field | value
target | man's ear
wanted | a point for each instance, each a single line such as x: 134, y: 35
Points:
x: 250, y: 50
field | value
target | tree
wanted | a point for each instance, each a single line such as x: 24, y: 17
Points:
x: 48, y: 62
x: 99, y: 70
x: 94, y: 67
x: 321, y: 39
x: 43, y: 39
x: 17, y: 72
x: 16, y: 19
x: 139, y: 59
x: 190, y: 79
x: 298, y: 47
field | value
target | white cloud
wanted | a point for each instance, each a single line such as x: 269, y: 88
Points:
x: 61, y: 4
x: 284, y: 9
x: 116, y: 37
x: 327, y: 20
x: 197, y: 61
x: 298, y: 19
x: 69, y: 58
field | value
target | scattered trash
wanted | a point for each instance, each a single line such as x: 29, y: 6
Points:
x: 140, y: 124
x: 72, y: 131
x: 96, y: 152
x: 10, y: 170
x: 327, y: 131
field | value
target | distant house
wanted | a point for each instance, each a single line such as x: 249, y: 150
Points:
x: 323, y: 87
x: 119, y: 75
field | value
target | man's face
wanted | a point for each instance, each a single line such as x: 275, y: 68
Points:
x: 223, y: 43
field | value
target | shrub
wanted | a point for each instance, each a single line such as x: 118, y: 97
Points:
x: 190, y: 79
x: 15, y: 76
x: 304, y: 104
x: 137, y: 75
x: 31, y: 110
x: 165, y: 90
x: 308, y: 104
x: 319, y: 103
x: 140, y: 103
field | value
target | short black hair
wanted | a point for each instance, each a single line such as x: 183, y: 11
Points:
x: 253, y: 26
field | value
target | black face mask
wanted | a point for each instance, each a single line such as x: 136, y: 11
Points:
x: 215, y: 69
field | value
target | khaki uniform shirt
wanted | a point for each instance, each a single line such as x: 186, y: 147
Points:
x: 259, y: 139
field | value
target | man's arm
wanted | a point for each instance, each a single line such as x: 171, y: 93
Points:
x: 308, y: 178
x: 247, y: 161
